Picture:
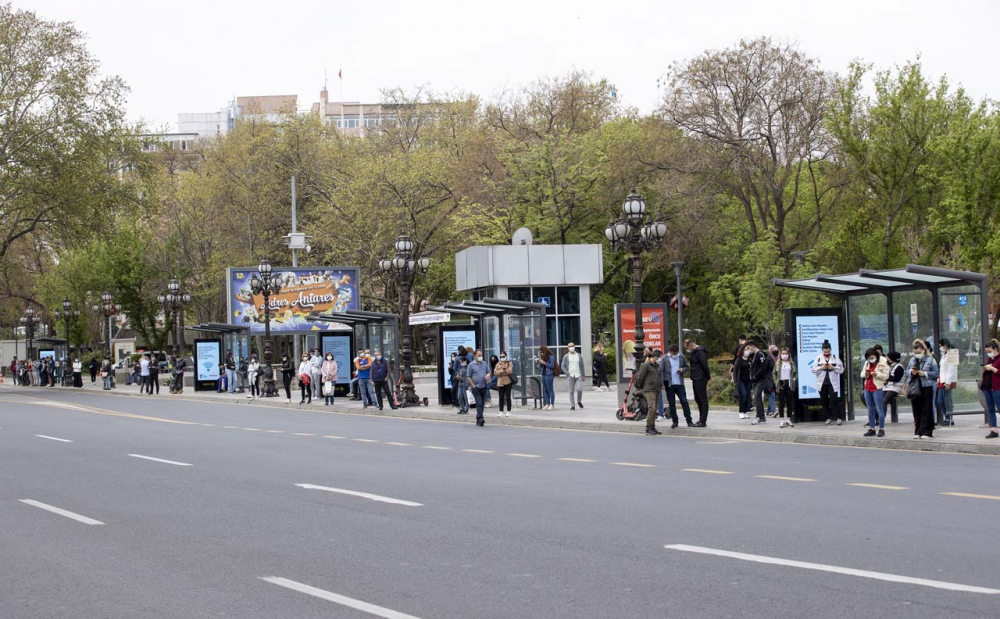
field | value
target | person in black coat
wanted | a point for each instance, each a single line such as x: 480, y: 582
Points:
x: 93, y: 366
x: 600, y: 364
x: 700, y: 373
x: 761, y: 370
x: 287, y: 372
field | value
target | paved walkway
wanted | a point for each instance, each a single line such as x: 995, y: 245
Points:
x: 598, y: 414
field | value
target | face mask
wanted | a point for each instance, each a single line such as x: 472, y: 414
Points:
x: 918, y: 355
x: 991, y: 355
x: 872, y: 360
x: 784, y: 357
x: 378, y: 356
x: 479, y: 357
x: 746, y: 354
x: 572, y: 348
x: 465, y: 363
x: 329, y: 358
x: 503, y: 357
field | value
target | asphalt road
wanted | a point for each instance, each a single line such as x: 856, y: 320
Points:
x: 359, y: 516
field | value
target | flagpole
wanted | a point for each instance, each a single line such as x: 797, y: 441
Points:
x: 340, y: 76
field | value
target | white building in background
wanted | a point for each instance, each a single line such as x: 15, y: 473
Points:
x: 217, y: 124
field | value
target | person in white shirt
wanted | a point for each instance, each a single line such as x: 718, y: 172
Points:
x: 77, y: 373
x: 253, y: 373
x: 828, y: 368
x: 785, y: 377
x: 305, y: 379
x: 572, y: 366
x: 145, y: 386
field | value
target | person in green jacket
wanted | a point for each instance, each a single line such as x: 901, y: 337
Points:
x: 647, y: 381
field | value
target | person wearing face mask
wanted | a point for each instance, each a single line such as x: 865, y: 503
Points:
x: 873, y: 376
x: 785, y: 381
x: 451, y: 379
x: 363, y: 364
x: 316, y: 372
x: 77, y: 373
x: 572, y: 366
x: 700, y: 374
x: 772, y: 393
x: 503, y: 371
x: 921, y: 372
x: 741, y: 379
x: 380, y: 377
x: 761, y: 369
x: 894, y: 384
x: 253, y: 376
x: 946, y: 383
x: 478, y: 378
x: 673, y: 368
x: 828, y: 368
x: 990, y: 385
x: 305, y: 379
x: 329, y: 375
x: 287, y: 371
x: 462, y: 393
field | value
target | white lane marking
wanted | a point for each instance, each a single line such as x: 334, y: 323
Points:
x: 972, y: 496
x: 479, y: 451
x: 52, y: 438
x: 363, y: 495
x: 879, y: 486
x: 717, y: 442
x: 331, y: 436
x: 365, y: 607
x: 398, y: 444
x: 847, y: 571
x: 303, y: 434
x: 635, y: 464
x: 364, y: 440
x: 577, y: 460
x: 274, y: 431
x: 709, y: 471
x: 436, y: 447
x: 781, y: 478
x: 61, y: 512
x: 159, y: 460
x: 517, y: 455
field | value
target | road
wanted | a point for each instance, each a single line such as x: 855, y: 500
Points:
x: 145, y: 508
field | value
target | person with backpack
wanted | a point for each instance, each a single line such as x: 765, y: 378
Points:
x: 873, y: 375
x: 828, y: 368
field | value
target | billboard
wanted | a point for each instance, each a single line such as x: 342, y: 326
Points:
x: 654, y: 326
x: 810, y: 333
x: 304, y: 290
x: 340, y: 346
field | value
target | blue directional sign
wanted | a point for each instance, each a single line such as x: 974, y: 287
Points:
x: 546, y: 301
x: 963, y: 300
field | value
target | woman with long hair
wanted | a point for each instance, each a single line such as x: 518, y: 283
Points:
x: 741, y: 379
x: 547, y: 362
x: 921, y: 372
x: 600, y: 364
x: 991, y: 384
x: 874, y: 374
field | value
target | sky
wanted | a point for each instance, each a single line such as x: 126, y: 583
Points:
x: 195, y: 56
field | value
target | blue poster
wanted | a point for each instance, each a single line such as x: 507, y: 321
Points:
x: 810, y: 333
x: 340, y: 346
x: 451, y: 340
x: 207, y: 357
x: 304, y: 291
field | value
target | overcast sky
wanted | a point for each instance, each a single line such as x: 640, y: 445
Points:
x: 196, y: 55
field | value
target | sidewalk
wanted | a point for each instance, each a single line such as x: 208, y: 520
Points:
x: 599, y: 415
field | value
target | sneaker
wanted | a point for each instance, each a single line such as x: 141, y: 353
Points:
x: 572, y: 408
x: 828, y: 422
x: 870, y: 433
x: 652, y: 431
x: 993, y: 434
x: 840, y: 422
x: 881, y: 433
x: 500, y: 414
x: 743, y: 416
x: 756, y: 421
x: 507, y: 414
x: 288, y: 401
x: 580, y: 404
x: 867, y: 426
x: 917, y: 436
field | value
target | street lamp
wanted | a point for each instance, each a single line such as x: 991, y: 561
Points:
x: 267, y: 283
x: 172, y: 304
x: 67, y: 313
x: 29, y: 321
x: 634, y: 233
x: 404, y: 267
x: 106, y: 309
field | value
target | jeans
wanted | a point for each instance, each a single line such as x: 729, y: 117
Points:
x: 875, y: 401
x: 770, y: 402
x: 575, y: 385
x: 463, y: 399
x: 548, y: 390
x: 992, y: 406
x: 681, y: 393
x: 231, y: 380
x: 945, y: 406
x: 480, y: 393
x: 367, y: 392
x: 743, y: 390
x: 328, y: 400
x: 107, y: 381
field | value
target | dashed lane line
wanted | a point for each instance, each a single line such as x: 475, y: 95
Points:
x: 363, y: 495
x: 303, y: 434
x: 782, y: 478
x: 61, y: 512
x: 336, y: 598
x: 174, y: 462
x: 577, y: 460
x: 53, y: 438
x: 972, y: 496
x: 517, y: 455
x: 437, y: 447
x: 878, y: 486
x: 332, y: 436
x: 397, y: 444
x: 479, y: 451
x: 635, y: 464
x: 709, y: 471
x: 274, y: 431
x: 364, y: 440
x: 253, y: 429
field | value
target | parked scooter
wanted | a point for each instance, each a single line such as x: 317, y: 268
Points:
x: 635, y: 410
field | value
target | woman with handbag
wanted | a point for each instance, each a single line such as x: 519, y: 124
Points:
x: 305, y: 373
x: 991, y: 385
x: 874, y: 374
x: 329, y: 374
x: 895, y: 383
x: 921, y: 373
x: 502, y: 373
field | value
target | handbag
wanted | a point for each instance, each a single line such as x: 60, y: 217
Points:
x: 913, y: 388
x: 513, y: 379
x: 328, y: 388
x: 470, y: 396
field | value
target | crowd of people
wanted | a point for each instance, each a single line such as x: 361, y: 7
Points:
x: 47, y: 372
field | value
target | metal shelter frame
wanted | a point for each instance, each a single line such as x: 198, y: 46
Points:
x: 360, y: 318
x: 887, y: 282
x: 500, y: 308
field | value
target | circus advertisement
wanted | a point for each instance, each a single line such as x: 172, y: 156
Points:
x: 304, y: 291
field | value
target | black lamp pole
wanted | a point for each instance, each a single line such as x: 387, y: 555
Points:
x: 634, y: 233
x: 172, y: 303
x: 405, y: 268
x: 66, y: 313
x: 106, y: 309
x: 29, y: 321
x: 267, y: 283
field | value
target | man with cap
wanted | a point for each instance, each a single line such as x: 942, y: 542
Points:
x: 572, y: 366
x: 647, y: 381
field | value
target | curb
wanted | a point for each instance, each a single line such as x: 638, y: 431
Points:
x: 633, y: 428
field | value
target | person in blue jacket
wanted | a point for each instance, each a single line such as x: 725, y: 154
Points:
x: 546, y: 363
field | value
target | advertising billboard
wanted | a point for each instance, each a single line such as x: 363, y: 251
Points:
x: 810, y: 333
x: 340, y: 346
x: 304, y: 291
x: 207, y: 364
x: 654, y: 326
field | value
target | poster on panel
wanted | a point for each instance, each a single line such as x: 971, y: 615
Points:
x: 810, y: 333
x: 304, y: 291
x: 340, y: 346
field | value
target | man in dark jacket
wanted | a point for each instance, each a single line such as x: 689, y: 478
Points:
x: 647, y: 381
x: 761, y: 369
x: 699, y: 379
x: 380, y: 377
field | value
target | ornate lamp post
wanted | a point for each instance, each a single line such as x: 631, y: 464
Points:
x: 29, y: 321
x: 267, y: 283
x: 106, y: 309
x: 634, y: 233
x: 405, y: 268
x: 67, y: 313
x: 172, y: 303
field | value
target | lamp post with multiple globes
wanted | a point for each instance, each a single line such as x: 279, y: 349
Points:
x: 404, y: 266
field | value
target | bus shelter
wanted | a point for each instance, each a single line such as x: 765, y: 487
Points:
x: 361, y: 329
x: 893, y: 307
x: 517, y: 327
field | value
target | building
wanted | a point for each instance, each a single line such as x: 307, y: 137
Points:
x: 351, y: 117
x: 212, y: 124
x: 179, y: 142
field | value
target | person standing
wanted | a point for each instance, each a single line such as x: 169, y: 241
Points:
x: 178, y: 374
x: 230, y: 365
x: 144, y: 384
x: 253, y: 373
x: 452, y: 370
x: 462, y: 389
x: 990, y: 385
x: 600, y: 368
x: 316, y: 361
x: 700, y: 373
x: 94, y: 368
x: 874, y: 374
x: 946, y: 383
x: 546, y: 362
x: 305, y: 379
x: 106, y: 370
x: 741, y: 380
x: 572, y: 366
x: 921, y: 371
x: 894, y: 384
x: 363, y: 363
x: 287, y: 372
x: 772, y: 394
x: 381, y: 373
x: 647, y: 382
x: 828, y: 368
x: 672, y: 371
x: 478, y: 378
x: 329, y: 370
x: 785, y: 384
x: 761, y: 370
x: 154, y: 375
x: 77, y: 373
x: 503, y: 371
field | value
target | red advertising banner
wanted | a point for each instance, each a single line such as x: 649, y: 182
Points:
x: 653, y: 325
